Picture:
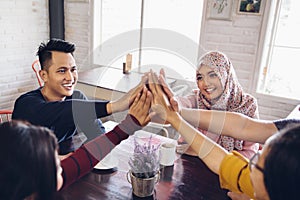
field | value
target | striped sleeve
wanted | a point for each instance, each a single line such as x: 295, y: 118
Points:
x: 86, y: 157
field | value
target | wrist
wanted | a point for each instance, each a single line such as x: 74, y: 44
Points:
x: 174, y: 119
x: 130, y: 124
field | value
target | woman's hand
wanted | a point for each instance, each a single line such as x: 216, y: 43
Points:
x: 141, y: 105
x: 238, y: 196
x: 161, y: 108
x: 170, y: 94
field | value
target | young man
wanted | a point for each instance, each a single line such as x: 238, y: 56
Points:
x: 57, y: 105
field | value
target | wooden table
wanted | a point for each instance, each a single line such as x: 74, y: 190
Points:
x: 189, y: 179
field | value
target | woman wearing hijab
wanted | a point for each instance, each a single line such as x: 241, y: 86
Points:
x: 219, y: 89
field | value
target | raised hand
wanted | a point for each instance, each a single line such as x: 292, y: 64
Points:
x: 164, y: 84
x: 126, y: 100
x: 170, y: 94
x: 141, y: 106
x: 162, y: 110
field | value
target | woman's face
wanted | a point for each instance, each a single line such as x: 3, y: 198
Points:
x: 58, y: 172
x: 209, y: 83
x: 257, y: 177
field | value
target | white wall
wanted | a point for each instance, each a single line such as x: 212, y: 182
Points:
x: 24, y: 24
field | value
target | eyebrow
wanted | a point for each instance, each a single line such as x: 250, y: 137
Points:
x: 210, y: 72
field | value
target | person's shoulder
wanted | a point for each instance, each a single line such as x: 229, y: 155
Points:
x: 250, y: 97
x: 250, y: 100
x: 30, y: 94
x: 77, y: 94
x: 285, y: 123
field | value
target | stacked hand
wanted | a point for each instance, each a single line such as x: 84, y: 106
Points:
x: 156, y: 97
x: 168, y: 91
x: 141, y: 105
x: 161, y: 107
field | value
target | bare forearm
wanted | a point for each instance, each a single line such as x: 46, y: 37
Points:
x: 116, y: 106
x: 231, y: 124
x: 210, y: 152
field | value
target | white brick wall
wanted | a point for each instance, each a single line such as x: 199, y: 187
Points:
x: 24, y: 24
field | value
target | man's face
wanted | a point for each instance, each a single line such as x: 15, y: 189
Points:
x: 61, y: 77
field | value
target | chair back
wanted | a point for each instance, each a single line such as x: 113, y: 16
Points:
x: 5, y: 115
x: 36, y: 68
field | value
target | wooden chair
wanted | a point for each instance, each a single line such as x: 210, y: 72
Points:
x: 36, y: 67
x: 5, y: 115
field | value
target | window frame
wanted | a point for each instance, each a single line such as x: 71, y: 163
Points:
x: 264, y: 38
x: 198, y: 52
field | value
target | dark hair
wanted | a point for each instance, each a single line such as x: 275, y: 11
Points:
x: 45, y: 54
x: 282, y: 165
x: 28, y: 162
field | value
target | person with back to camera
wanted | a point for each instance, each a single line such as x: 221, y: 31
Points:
x: 219, y: 89
x: 271, y: 174
x: 57, y: 105
x: 30, y: 168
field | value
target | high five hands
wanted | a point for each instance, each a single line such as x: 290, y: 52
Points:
x: 161, y: 109
x: 158, y: 102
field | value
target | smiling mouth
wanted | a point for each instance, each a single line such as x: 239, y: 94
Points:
x: 68, y: 86
x: 210, y: 90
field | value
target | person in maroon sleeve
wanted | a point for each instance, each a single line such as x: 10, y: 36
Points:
x: 30, y: 167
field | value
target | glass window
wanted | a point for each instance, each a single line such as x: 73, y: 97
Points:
x: 156, y: 33
x: 279, y: 74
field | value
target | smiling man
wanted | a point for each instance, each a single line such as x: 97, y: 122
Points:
x: 57, y: 105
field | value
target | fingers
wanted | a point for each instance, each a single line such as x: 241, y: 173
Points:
x: 141, y: 105
x: 174, y: 104
x: 162, y: 73
x: 237, y: 196
x: 153, y: 82
x: 137, y: 99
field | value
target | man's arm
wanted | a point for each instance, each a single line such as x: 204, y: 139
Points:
x: 87, y: 156
x: 126, y: 100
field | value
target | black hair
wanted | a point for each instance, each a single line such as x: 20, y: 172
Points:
x: 45, y: 50
x: 28, y: 162
x: 282, y: 165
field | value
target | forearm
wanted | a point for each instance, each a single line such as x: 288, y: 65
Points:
x: 231, y: 124
x: 86, y: 157
x: 210, y: 152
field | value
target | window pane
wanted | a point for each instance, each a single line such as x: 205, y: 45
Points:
x: 280, y: 76
x: 288, y: 26
x: 283, y: 77
x: 174, y: 42
x: 118, y: 25
x: 183, y: 21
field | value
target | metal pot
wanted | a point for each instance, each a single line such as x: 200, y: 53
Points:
x: 143, y: 187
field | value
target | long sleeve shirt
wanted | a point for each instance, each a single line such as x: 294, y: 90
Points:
x: 86, y: 157
x: 64, y: 118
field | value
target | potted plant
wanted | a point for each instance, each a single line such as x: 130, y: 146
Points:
x: 144, y: 164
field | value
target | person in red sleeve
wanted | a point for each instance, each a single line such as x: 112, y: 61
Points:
x: 30, y: 167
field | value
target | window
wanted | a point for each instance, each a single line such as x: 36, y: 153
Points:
x: 279, y: 71
x: 157, y: 34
